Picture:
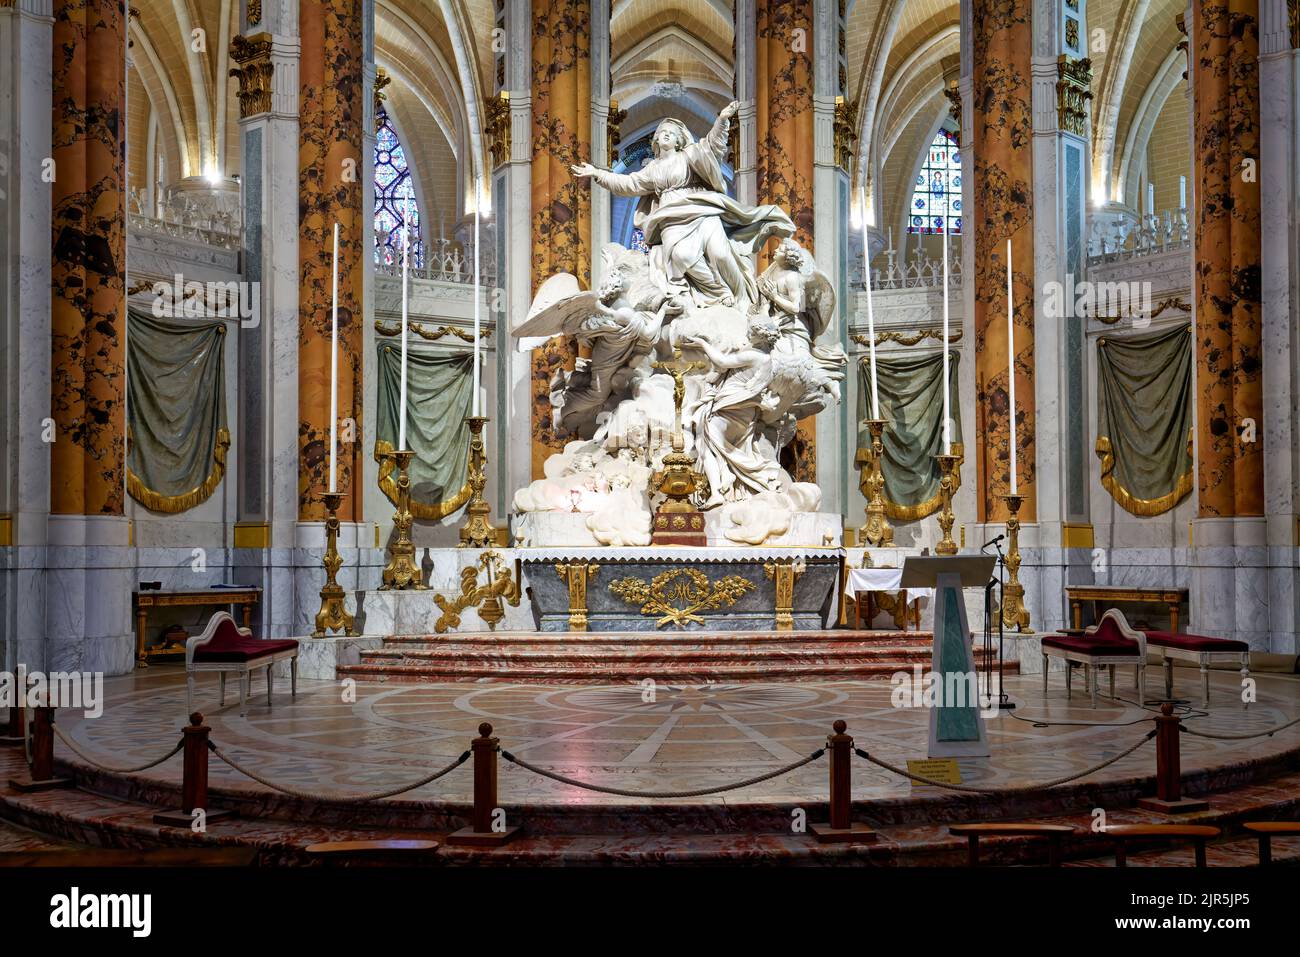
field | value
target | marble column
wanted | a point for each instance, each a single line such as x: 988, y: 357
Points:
x: 1061, y: 80
x: 1002, y: 45
x: 745, y: 44
x: 1279, y: 88
x: 26, y: 47
x: 1230, y: 587
x: 600, y: 152
x: 1229, y: 381
x: 265, y: 56
x: 331, y: 165
x: 784, y: 115
x: 833, y: 427
x: 88, y: 565
x: 561, y: 205
x: 514, y: 270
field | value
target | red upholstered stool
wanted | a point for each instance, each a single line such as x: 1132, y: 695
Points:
x: 1200, y: 649
x: 224, y: 647
x: 1106, y: 644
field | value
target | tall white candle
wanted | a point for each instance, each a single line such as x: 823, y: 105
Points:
x: 406, y: 265
x: 334, y: 369
x: 871, y: 320
x: 1011, y: 370
x: 478, y: 205
x: 1151, y: 199
x: 1182, y: 192
x: 947, y: 413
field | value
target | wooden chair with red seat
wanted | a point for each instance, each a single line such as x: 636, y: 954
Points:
x: 1106, y: 644
x: 226, y: 648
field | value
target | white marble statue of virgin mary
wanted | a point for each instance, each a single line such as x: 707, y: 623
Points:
x: 699, y: 237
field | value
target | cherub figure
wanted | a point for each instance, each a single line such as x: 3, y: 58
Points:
x: 733, y: 449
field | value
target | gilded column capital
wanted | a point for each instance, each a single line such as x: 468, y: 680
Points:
x: 254, y: 72
x: 846, y: 131
x: 1073, y: 91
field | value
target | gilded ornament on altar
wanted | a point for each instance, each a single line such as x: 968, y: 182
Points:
x: 576, y: 575
x: 846, y: 131
x: 254, y: 72
x: 477, y: 532
x: 333, y: 614
x: 402, y: 572
x: 677, y: 595
x: 1014, y: 613
x: 487, y: 598
x: 784, y: 573
x: 876, y: 531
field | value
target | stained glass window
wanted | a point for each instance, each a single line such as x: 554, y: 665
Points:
x: 937, y: 196
x: 394, y: 195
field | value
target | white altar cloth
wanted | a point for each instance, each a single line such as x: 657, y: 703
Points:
x: 881, y: 579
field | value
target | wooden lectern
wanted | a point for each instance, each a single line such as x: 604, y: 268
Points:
x: 956, y: 727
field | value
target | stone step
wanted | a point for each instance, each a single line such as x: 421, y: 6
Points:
x: 670, y: 638
x: 478, y: 651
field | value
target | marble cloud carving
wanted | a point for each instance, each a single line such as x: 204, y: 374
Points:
x: 696, y: 290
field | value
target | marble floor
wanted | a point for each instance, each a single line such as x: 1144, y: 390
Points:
x: 680, y: 737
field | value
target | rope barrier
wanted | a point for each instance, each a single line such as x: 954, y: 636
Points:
x: 1014, y: 790
x: 336, y: 795
x: 698, y: 792
x: 58, y: 733
x: 1226, y: 736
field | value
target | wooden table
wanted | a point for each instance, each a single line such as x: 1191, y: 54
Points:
x: 144, y: 600
x: 1114, y: 594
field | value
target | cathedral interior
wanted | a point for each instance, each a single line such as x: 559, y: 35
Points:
x: 658, y: 385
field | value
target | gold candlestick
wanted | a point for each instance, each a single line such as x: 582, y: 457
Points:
x: 1014, y: 613
x: 948, y: 464
x: 477, y: 532
x: 402, y: 573
x: 877, y: 531
x: 333, y: 614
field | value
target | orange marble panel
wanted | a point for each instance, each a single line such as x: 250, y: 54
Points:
x: 561, y: 205
x: 329, y: 180
x: 1229, y: 368
x: 1002, y: 44
x: 88, y: 311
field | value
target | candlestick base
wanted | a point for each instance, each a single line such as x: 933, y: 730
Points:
x: 948, y: 465
x: 876, y: 532
x: 477, y: 532
x: 402, y: 573
x: 1014, y: 613
x: 333, y: 614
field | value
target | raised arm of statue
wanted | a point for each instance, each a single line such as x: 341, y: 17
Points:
x: 716, y: 139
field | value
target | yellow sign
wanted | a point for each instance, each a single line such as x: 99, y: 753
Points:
x: 944, y: 770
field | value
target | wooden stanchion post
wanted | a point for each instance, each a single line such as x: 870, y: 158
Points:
x: 42, y: 776
x: 1168, y: 798
x: 194, y: 780
x: 489, y: 827
x: 841, y: 829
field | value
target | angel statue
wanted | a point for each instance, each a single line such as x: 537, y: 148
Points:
x: 802, y: 301
x: 700, y: 238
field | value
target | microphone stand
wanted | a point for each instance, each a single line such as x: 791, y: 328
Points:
x: 1003, y: 703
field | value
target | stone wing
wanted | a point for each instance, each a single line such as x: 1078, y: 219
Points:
x: 557, y: 310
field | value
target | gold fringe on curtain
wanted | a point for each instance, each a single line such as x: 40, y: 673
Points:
x: 388, y: 485
x: 171, y: 504
x: 1127, y: 500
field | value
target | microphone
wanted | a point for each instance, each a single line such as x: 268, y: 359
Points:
x: 992, y: 541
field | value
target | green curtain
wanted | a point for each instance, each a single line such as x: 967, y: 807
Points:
x: 1144, y: 418
x: 439, y: 395
x: 176, y: 411
x: 912, y: 403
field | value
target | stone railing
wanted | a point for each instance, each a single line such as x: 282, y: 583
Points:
x: 181, y: 216
x: 442, y: 260
x: 922, y: 272
x: 1114, y: 240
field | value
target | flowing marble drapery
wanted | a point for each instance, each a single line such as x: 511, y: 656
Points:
x: 783, y: 103
x: 329, y: 179
x: 1144, y: 418
x: 1002, y: 47
x: 1229, y: 366
x: 561, y: 104
x: 439, y: 395
x: 911, y: 399
x: 176, y: 411
x: 88, y: 315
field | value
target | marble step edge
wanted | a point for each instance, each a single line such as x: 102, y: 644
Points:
x: 638, y: 654
x: 697, y: 675
x: 830, y: 636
